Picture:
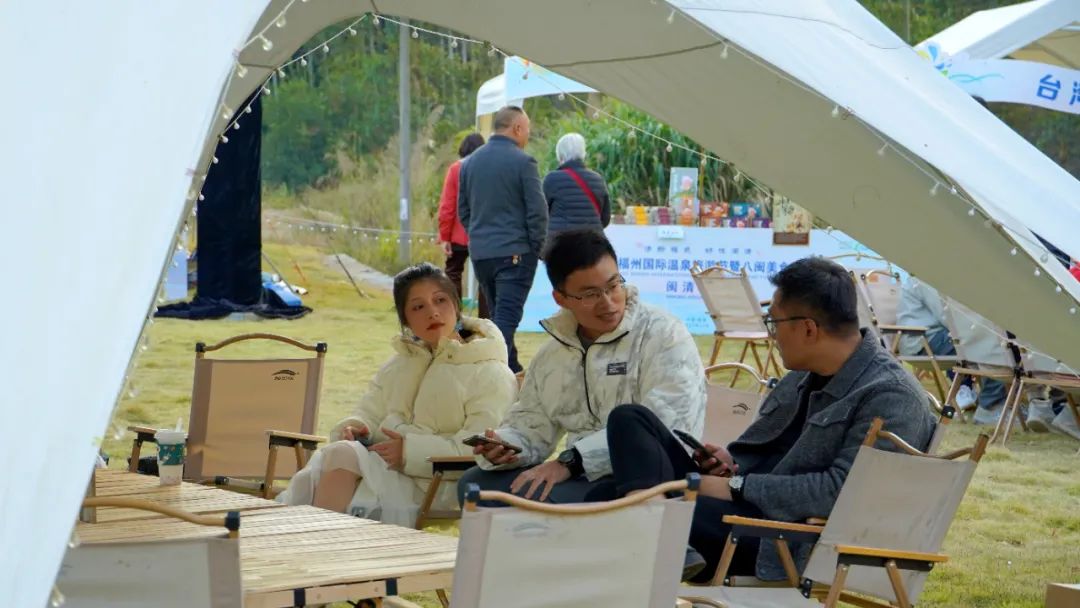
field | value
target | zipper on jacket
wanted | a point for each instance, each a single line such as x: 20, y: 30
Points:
x: 584, y: 362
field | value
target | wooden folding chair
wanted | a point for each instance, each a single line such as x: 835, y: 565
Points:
x: 882, y: 538
x: 243, y: 410
x: 1038, y: 370
x: 627, y: 552
x: 729, y: 411
x: 878, y: 292
x: 169, y: 573
x: 981, y: 353
x: 737, y: 314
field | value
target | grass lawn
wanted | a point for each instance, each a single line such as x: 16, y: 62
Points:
x: 1017, y: 529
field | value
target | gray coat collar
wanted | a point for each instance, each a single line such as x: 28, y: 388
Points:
x: 852, y: 369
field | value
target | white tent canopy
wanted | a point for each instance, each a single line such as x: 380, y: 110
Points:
x: 104, y: 163
x: 514, y: 86
x: 1043, y: 31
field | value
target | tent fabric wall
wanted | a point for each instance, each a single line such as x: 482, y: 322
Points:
x: 100, y: 198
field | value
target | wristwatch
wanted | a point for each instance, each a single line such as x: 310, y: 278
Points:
x: 571, y: 459
x: 736, y: 484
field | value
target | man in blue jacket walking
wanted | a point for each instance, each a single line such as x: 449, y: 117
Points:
x: 502, y: 206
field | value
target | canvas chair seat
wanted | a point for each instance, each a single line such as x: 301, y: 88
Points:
x: 537, y: 555
x: 737, y: 314
x: 185, y: 573
x: 244, y: 410
x: 881, y: 539
x: 729, y: 411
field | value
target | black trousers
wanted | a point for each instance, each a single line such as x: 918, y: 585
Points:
x: 644, y: 453
x: 455, y: 268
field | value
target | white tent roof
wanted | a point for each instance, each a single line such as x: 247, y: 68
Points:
x: 491, y: 96
x: 1044, y: 31
x: 513, y: 86
x: 101, y: 164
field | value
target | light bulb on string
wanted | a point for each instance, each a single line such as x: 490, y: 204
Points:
x: 201, y: 197
x: 671, y: 16
x: 971, y: 212
x: 214, y: 160
x: 881, y: 150
x: 669, y: 148
x: 247, y: 110
x: 56, y: 599
x: 326, y: 49
x: 303, y: 61
x: 1072, y: 310
x: 224, y: 139
x: 1044, y: 258
x: 415, y: 33
x: 266, y: 90
x: 280, y: 21
x: 241, y: 70
x: 724, y: 51
x: 453, y: 43
x: 562, y: 96
x: 352, y: 31
x: 953, y: 190
x: 934, y: 189
x: 267, y: 44
x: 1038, y: 272
x: 376, y: 20
x: 836, y: 111
x: 236, y: 125
x: 1013, y: 251
x: 281, y: 73
x: 596, y: 114
x: 1057, y: 288
x: 226, y: 112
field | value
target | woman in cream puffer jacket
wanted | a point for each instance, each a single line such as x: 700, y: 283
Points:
x: 434, y: 392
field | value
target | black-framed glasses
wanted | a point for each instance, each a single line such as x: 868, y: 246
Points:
x: 591, y: 297
x: 770, y: 322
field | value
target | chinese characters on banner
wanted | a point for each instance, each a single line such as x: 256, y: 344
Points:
x: 657, y: 260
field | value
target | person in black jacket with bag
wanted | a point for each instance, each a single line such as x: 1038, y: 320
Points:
x: 577, y: 197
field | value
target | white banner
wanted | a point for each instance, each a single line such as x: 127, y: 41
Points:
x: 1010, y: 81
x: 657, y: 259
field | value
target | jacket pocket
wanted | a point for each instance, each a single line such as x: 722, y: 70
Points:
x: 834, y: 414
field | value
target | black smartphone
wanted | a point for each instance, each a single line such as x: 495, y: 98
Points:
x: 690, y: 440
x: 476, y: 440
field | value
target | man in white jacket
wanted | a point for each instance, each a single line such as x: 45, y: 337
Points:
x: 608, y: 348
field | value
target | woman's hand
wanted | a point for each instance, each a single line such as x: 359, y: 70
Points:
x: 355, y: 433
x: 392, y: 451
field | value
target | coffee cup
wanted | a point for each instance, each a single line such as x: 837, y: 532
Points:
x: 170, y: 456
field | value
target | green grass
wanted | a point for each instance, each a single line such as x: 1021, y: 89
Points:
x: 1017, y: 529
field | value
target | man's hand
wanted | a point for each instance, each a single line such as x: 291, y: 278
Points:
x: 495, y: 454
x: 447, y: 248
x: 717, y: 461
x: 355, y: 433
x: 543, y: 476
x: 392, y: 451
x: 716, y: 487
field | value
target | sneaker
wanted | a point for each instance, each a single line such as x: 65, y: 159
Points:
x: 989, y: 415
x: 1040, y: 415
x: 693, y: 564
x: 1065, y: 422
x: 965, y: 397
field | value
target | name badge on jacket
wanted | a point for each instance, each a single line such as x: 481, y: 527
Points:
x: 616, y: 369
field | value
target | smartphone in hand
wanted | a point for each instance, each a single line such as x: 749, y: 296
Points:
x: 484, y: 440
x: 690, y: 440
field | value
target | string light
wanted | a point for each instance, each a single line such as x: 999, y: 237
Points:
x: 671, y: 17
x: 1038, y: 272
x: 881, y: 150
x: 352, y: 31
x: 280, y: 21
x: 303, y: 61
x: 971, y: 212
x: 415, y: 34
x: 934, y: 189
x: 723, y: 51
x: 453, y: 43
x: 326, y: 49
x: 241, y: 71
x: 836, y: 111
x: 1013, y: 251
x: 224, y: 138
x: 266, y: 43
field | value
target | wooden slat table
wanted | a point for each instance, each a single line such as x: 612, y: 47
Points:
x: 297, y: 555
x: 190, y: 497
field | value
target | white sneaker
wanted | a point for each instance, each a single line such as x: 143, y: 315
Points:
x: 1065, y: 423
x: 989, y: 415
x: 1040, y: 415
x: 965, y: 397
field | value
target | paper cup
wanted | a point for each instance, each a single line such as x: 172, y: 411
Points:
x: 170, y: 456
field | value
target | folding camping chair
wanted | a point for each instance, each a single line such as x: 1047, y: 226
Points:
x: 627, y: 552
x: 881, y: 540
x: 1038, y: 370
x: 243, y: 410
x: 729, y: 411
x: 737, y: 314
x: 177, y: 573
x: 981, y: 353
x: 880, y: 292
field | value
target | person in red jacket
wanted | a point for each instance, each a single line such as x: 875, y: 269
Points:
x: 452, y: 236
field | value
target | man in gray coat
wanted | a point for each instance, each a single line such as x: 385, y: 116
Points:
x: 792, y: 461
x: 502, y: 207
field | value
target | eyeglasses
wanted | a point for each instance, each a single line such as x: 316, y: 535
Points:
x: 770, y: 323
x: 592, y: 297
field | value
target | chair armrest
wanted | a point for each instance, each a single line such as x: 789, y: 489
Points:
x: 144, y: 433
x: 451, y: 463
x: 288, y: 439
x: 771, y: 524
x: 918, y: 556
x: 904, y: 329
x: 816, y: 521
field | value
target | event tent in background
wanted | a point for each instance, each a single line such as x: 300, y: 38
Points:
x: 817, y: 99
